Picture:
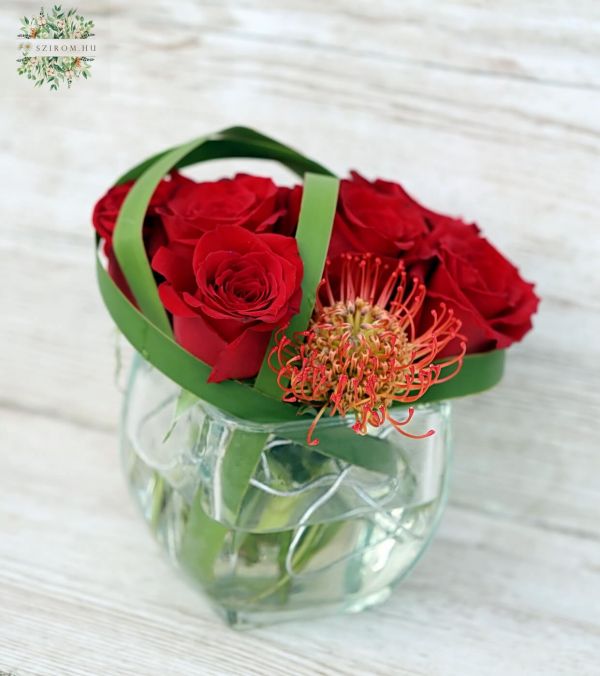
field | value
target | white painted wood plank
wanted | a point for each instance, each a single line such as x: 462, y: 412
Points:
x: 489, y: 110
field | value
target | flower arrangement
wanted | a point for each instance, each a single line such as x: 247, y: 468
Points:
x: 335, y: 299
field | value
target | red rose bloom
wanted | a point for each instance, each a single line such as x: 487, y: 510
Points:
x: 228, y: 297
x: 245, y: 201
x: 107, y: 207
x: 378, y: 217
x: 290, y: 200
x: 473, y: 278
x: 105, y: 215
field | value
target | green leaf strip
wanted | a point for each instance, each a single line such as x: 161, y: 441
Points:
x: 203, y: 537
x: 238, y: 399
x: 317, y: 211
x: 479, y: 372
x: 127, y: 239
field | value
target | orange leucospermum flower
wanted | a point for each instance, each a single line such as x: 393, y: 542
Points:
x: 361, y: 353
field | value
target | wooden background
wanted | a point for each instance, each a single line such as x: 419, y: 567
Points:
x: 486, y: 110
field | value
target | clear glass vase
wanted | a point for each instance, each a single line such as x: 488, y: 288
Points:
x: 269, y: 528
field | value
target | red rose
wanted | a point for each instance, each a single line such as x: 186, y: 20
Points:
x: 228, y: 297
x: 107, y: 207
x: 378, y: 217
x: 289, y: 199
x: 485, y: 290
x: 105, y: 215
x: 245, y: 201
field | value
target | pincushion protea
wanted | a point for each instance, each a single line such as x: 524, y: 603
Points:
x: 361, y: 353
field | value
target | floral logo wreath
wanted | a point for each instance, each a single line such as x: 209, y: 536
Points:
x: 58, y: 24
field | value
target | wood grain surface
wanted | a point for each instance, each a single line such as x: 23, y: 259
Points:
x: 486, y: 110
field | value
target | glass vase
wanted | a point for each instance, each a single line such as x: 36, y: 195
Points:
x: 268, y: 527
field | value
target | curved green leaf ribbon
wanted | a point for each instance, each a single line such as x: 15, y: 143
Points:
x: 149, y: 329
x: 317, y: 211
x: 479, y: 372
x: 238, y: 399
x: 236, y: 142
